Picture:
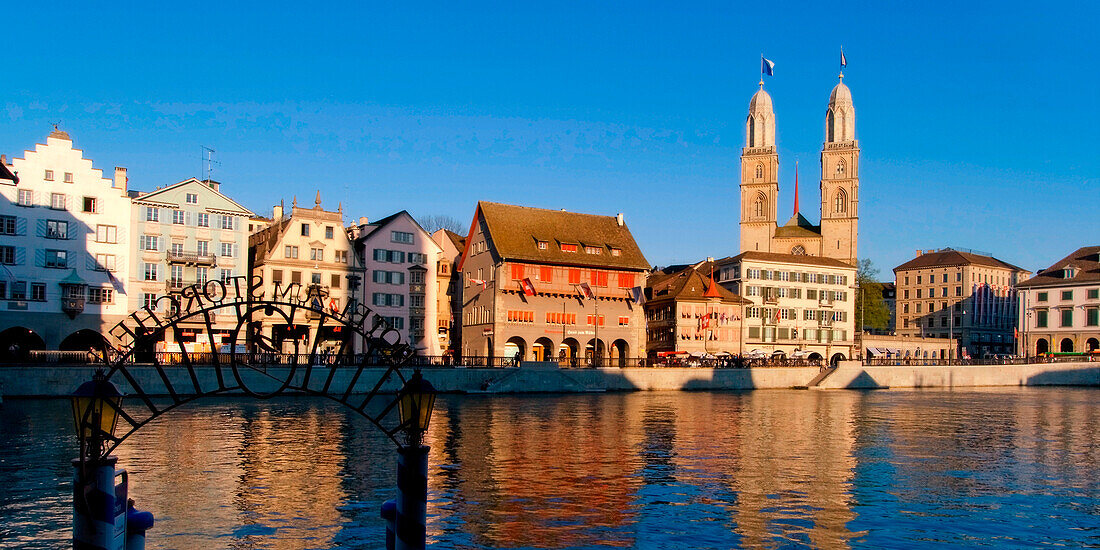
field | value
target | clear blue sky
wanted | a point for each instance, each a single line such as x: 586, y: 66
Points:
x: 980, y: 126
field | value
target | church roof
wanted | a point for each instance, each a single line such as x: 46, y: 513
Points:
x: 798, y: 226
x: 841, y: 95
x: 760, y: 101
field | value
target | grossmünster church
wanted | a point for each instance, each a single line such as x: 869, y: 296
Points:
x: 836, y: 236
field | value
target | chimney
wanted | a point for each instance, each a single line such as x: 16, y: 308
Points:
x: 214, y: 185
x: 4, y: 160
x: 363, y: 220
x: 619, y: 219
x: 920, y: 253
x: 710, y: 258
x: 120, y: 178
x: 277, y: 212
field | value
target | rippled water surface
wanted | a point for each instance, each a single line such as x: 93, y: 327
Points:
x: 1010, y: 468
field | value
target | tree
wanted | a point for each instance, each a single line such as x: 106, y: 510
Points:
x: 435, y: 222
x: 871, y: 311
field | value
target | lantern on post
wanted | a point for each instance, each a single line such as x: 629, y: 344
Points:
x: 415, y: 408
x: 415, y: 402
x: 96, y: 406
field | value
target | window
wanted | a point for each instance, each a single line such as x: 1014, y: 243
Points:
x: 48, y: 176
x: 841, y: 202
x: 89, y: 205
x: 341, y: 256
x: 574, y: 276
x: 202, y: 248
x: 759, y: 206
x: 57, y: 201
x: 1041, y: 318
x: 905, y: 308
x: 1067, y: 317
x: 329, y: 232
x: 401, y: 237
x: 543, y: 245
x: 626, y: 280
x: 203, y: 220
x: 546, y: 274
x: 565, y: 247
x: 958, y: 291
x: 178, y: 217
x: 151, y: 272
x: 149, y: 300
x: 226, y: 275
x: 593, y: 250
x: 383, y: 299
x: 276, y: 276
x: 598, y: 278
x: 417, y: 300
x: 192, y: 198
x: 227, y: 250
x: 152, y: 214
x: 100, y: 295
x: 56, y: 229
x: 106, y: 234
x: 57, y: 259
x: 418, y: 258
x: 918, y: 280
x: 175, y: 276
x: 335, y: 281
x: 201, y: 275
x: 228, y: 222
x: 390, y: 256
x: 616, y: 252
x: 1042, y: 297
x: 315, y: 278
x: 38, y: 292
x: 918, y: 293
x: 149, y: 242
x: 7, y: 255
x: 759, y: 171
x: 317, y: 254
x: 1094, y: 293
x: 19, y: 290
x: 26, y: 197
x: 105, y: 262
x: 1067, y: 295
x: 517, y: 271
x: 1092, y: 317
x: 290, y: 252
x: 305, y: 229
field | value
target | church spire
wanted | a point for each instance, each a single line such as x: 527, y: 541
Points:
x: 795, y: 187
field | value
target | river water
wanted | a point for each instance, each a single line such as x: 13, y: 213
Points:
x: 774, y: 468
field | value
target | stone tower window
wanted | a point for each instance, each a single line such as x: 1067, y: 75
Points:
x: 840, y: 167
x: 760, y: 171
x: 841, y: 203
x: 759, y: 205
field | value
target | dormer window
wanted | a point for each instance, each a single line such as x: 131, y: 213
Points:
x: 616, y: 252
x: 567, y: 247
x: 543, y: 245
x: 1069, y: 272
x: 593, y: 250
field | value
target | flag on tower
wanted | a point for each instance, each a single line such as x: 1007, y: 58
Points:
x: 843, y: 60
x: 766, y: 66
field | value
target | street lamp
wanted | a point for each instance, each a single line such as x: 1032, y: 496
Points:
x: 95, y: 414
x: 415, y: 402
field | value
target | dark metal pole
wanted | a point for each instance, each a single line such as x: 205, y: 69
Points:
x: 412, y: 497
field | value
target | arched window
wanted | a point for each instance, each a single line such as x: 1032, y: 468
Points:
x: 752, y: 131
x: 830, y: 122
x: 840, y: 167
x: 840, y: 205
x: 798, y: 250
x: 760, y: 171
x: 759, y: 206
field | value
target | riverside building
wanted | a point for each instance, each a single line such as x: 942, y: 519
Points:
x: 801, y: 305
x: 449, y: 293
x: 185, y: 234
x: 1061, y: 306
x: 541, y: 285
x: 399, y: 259
x: 687, y: 311
x: 308, y: 254
x: 959, y: 294
x: 65, y: 250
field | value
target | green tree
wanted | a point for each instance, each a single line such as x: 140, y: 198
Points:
x: 871, y: 311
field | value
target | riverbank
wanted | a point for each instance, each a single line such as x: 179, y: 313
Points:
x: 60, y: 380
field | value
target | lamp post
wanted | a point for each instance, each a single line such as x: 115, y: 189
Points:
x: 415, y: 403
x: 102, y: 517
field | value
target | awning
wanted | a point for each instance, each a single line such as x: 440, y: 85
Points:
x: 874, y: 351
x: 894, y: 351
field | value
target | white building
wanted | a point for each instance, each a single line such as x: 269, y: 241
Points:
x: 183, y: 234
x: 401, y: 258
x: 65, y: 249
x: 799, y: 302
x: 1060, y: 306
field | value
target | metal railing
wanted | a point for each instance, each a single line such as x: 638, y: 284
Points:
x: 939, y: 362
x: 191, y: 258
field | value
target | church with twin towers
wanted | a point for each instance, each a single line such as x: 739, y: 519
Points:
x: 837, y: 235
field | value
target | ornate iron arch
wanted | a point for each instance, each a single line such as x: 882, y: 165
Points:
x: 249, y: 356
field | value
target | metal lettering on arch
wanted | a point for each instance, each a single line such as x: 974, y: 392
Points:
x: 248, y: 361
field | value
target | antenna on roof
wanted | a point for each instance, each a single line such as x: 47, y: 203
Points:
x: 207, y: 163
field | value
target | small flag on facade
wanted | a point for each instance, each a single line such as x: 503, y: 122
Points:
x: 478, y: 282
x: 766, y: 66
x: 528, y: 287
x: 117, y: 284
x: 638, y: 294
x: 586, y: 291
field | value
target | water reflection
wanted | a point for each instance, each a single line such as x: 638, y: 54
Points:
x: 695, y: 470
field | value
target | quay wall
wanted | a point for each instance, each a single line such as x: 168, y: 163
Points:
x: 60, y: 380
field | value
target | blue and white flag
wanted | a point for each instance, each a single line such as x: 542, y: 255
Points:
x: 843, y: 60
x: 766, y: 66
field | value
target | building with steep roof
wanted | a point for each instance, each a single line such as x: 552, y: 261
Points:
x: 184, y: 234
x: 837, y: 235
x: 959, y: 294
x: 400, y: 259
x: 309, y: 254
x: 687, y: 311
x: 65, y: 250
x: 449, y: 290
x: 542, y: 284
x: 1060, y: 306
x: 800, y: 305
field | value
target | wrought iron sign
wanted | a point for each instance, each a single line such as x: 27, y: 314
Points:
x: 249, y: 360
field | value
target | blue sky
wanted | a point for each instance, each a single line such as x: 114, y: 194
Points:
x: 979, y: 127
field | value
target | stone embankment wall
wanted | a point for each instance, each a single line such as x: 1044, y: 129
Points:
x: 58, y: 381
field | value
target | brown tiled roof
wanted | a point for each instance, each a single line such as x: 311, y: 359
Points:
x: 1087, y: 261
x: 798, y: 226
x: 458, y: 240
x: 262, y: 242
x: 687, y: 283
x: 785, y: 258
x: 950, y: 258
x: 514, y: 232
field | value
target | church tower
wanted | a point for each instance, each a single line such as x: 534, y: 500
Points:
x: 840, y: 178
x: 759, y: 175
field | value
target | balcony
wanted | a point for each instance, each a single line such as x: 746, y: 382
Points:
x: 192, y: 258
x: 771, y: 299
x: 175, y: 285
x: 825, y: 302
x: 826, y: 322
x: 72, y: 306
